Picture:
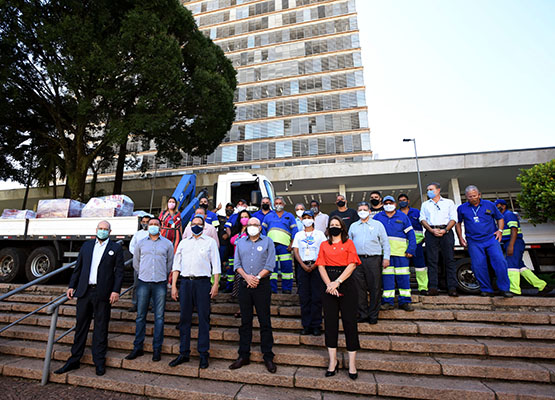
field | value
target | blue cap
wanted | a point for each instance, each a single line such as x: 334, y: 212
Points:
x: 309, y: 213
x: 500, y: 201
x: 389, y: 198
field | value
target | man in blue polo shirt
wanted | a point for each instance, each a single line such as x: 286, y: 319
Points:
x: 482, y: 239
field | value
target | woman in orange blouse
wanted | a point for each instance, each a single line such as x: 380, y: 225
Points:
x: 336, y: 262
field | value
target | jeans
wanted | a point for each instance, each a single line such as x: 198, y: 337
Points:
x: 145, y: 292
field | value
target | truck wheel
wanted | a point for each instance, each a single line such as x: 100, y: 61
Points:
x: 12, y: 262
x: 41, y: 261
x: 465, y: 277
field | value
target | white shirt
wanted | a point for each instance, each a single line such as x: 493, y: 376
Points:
x: 439, y: 213
x: 197, y: 257
x: 137, y: 237
x: 321, y: 222
x: 98, y: 252
x: 308, y: 244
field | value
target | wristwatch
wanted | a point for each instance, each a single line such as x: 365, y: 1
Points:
x: 257, y: 277
x: 339, y: 280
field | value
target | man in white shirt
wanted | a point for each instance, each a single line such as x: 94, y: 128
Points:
x: 196, y: 260
x: 137, y: 237
x: 320, y: 219
x: 306, y: 246
x: 438, y: 216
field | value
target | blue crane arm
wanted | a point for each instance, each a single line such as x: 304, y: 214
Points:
x: 187, y: 202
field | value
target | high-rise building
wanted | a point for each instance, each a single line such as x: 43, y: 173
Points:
x: 300, y: 97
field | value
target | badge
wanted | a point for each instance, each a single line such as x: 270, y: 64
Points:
x: 259, y: 248
x: 476, y: 219
x: 307, y: 252
x: 111, y: 252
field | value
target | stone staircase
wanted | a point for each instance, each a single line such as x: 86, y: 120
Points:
x: 449, y: 348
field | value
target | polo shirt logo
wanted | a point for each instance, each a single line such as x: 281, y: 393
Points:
x: 259, y: 248
x: 488, y: 211
x: 398, y: 221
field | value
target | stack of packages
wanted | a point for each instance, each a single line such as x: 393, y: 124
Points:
x: 18, y: 214
x: 117, y: 205
x: 59, y: 208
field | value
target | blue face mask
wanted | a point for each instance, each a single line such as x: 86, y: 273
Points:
x: 431, y: 194
x: 197, y: 229
x: 403, y: 204
x: 154, y: 230
x: 102, y: 234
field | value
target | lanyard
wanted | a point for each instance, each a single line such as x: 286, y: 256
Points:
x: 475, y: 211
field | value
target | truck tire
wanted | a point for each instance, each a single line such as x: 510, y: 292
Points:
x: 12, y: 263
x: 466, y: 280
x: 41, y: 261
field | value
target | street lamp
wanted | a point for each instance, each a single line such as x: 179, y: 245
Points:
x: 417, y: 168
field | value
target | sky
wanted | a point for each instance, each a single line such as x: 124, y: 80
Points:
x: 458, y: 75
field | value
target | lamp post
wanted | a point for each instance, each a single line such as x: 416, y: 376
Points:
x: 417, y: 168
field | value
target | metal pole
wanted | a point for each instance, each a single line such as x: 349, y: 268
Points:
x: 418, y: 172
x: 49, y: 346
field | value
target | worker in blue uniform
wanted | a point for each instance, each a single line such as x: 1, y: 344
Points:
x: 482, y: 239
x: 265, y: 209
x: 281, y: 227
x: 419, y: 262
x: 513, y: 245
x: 211, y: 216
x: 402, y: 242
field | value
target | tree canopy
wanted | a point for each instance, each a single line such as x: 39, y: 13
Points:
x: 537, y: 196
x: 77, y: 77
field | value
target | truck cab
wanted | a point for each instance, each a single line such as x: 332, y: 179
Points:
x: 234, y: 186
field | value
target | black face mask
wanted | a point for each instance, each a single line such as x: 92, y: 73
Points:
x: 205, y: 206
x: 265, y: 207
x: 335, y: 231
x: 228, y: 212
x: 374, y: 202
x: 340, y: 203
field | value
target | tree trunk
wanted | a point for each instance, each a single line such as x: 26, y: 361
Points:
x: 27, y: 185
x: 93, y: 182
x: 54, y: 185
x: 76, y: 180
x: 118, y: 179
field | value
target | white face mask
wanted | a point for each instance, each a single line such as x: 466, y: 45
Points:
x: 299, y: 213
x: 308, y: 222
x: 278, y: 207
x: 363, y: 214
x: 253, y: 230
x: 389, y: 207
x: 240, y: 208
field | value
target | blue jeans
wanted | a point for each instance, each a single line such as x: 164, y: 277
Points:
x: 145, y: 292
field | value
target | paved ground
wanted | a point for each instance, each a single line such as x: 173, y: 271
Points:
x: 17, y: 389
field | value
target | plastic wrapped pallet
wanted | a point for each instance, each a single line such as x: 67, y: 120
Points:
x: 117, y: 205
x: 18, y: 214
x: 59, y: 208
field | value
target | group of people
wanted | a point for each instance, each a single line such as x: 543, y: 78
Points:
x: 348, y: 264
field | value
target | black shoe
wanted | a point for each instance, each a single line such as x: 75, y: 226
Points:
x: 180, y: 359
x: 353, y: 376
x: 362, y: 320
x: 453, y: 293
x: 132, y: 309
x: 546, y: 290
x: 156, y: 356
x: 270, y: 366
x: 486, y: 294
x: 286, y: 291
x: 423, y: 293
x: 134, y: 354
x: 203, y: 364
x: 306, y: 331
x: 433, y: 292
x: 240, y: 362
x: 372, y: 321
x: 406, y: 307
x: 316, y: 332
x: 508, y: 295
x: 100, y: 370
x: 386, y: 306
x: 67, y: 367
x: 332, y: 373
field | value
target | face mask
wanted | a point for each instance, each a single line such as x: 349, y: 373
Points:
x: 241, y: 208
x: 315, y: 210
x: 335, y: 231
x: 279, y: 208
x: 144, y: 226
x: 363, y: 214
x: 299, y: 213
x: 389, y: 207
x: 374, y: 202
x: 308, y: 222
x: 265, y: 206
x: 403, y: 204
x: 253, y: 230
x: 431, y: 194
x: 340, y: 203
x: 244, y: 221
x: 229, y: 212
x: 197, y: 229
x: 102, y: 234
x: 153, y: 230
x: 203, y: 205
x: 171, y: 206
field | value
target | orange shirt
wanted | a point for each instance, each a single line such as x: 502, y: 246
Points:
x: 338, y: 254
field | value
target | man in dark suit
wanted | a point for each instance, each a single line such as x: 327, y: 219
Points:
x: 96, y: 282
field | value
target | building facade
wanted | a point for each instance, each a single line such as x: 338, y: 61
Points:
x: 300, y: 97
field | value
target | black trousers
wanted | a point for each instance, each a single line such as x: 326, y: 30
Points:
x: 89, y: 306
x: 194, y: 293
x: 368, y: 277
x: 347, y: 304
x: 260, y: 298
x: 446, y: 244
x: 310, y: 296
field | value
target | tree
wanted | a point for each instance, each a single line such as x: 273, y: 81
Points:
x: 84, y: 75
x: 537, y: 196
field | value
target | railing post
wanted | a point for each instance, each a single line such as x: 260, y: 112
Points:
x: 49, y: 347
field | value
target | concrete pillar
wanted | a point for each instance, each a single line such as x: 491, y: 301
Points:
x: 455, y: 191
x: 164, y: 203
x: 343, y: 190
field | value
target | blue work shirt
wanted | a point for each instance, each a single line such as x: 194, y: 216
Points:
x: 280, y: 230
x: 253, y: 257
x: 399, y: 231
x: 480, y: 221
x: 260, y: 215
x: 231, y: 220
x: 370, y: 238
x: 511, y: 221
x: 211, y: 217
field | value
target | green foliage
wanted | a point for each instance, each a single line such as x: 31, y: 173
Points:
x: 78, y: 77
x: 537, y: 197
